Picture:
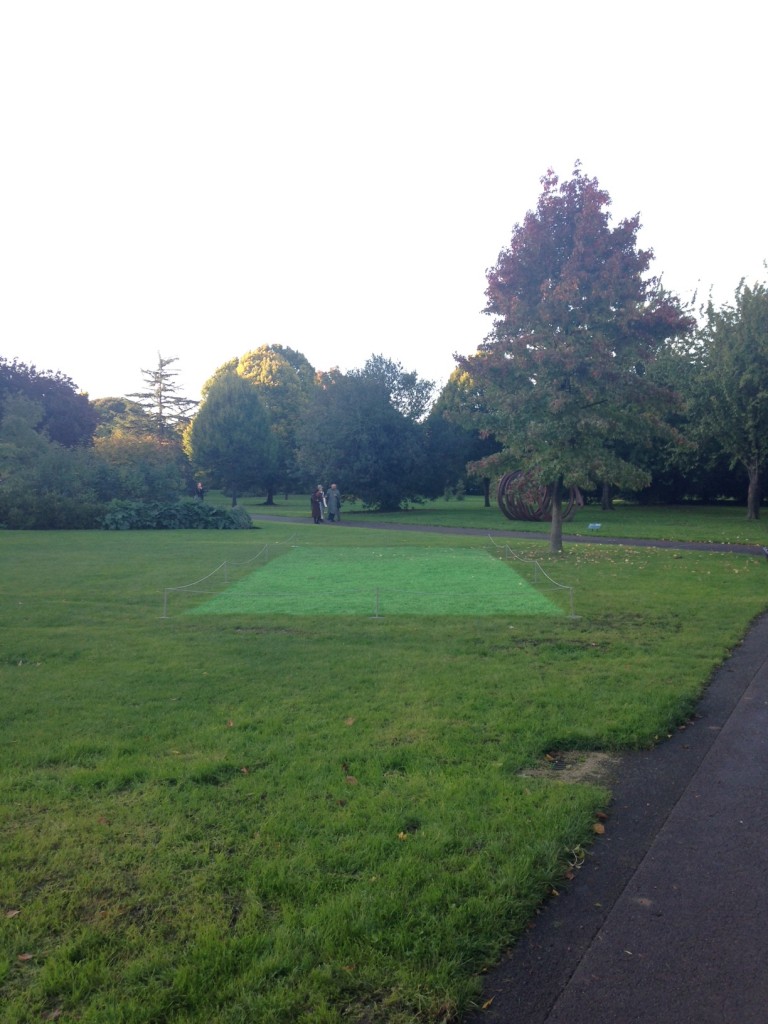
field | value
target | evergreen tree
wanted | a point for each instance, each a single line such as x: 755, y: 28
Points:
x: 285, y: 381
x: 230, y: 440
x: 168, y: 410
x: 354, y: 436
x: 407, y: 392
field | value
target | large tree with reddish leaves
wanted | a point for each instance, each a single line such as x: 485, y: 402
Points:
x: 577, y: 322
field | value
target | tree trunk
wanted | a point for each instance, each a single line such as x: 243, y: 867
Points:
x: 606, y: 501
x: 556, y: 532
x: 487, y: 491
x: 270, y: 496
x: 753, y: 492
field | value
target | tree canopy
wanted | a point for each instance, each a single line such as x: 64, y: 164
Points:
x: 730, y: 404
x: 285, y: 380
x: 563, y: 374
x: 457, y: 447
x: 66, y: 414
x: 353, y: 435
x: 408, y: 393
x: 230, y: 440
x: 168, y: 410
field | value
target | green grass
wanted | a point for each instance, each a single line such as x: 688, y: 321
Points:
x: 710, y: 524
x: 245, y: 817
x: 384, y: 580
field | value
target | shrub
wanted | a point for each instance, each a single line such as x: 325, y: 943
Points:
x: 22, y: 509
x: 189, y: 514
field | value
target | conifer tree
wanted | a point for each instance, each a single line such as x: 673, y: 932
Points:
x: 169, y: 410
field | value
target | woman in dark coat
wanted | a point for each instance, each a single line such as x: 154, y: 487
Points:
x: 317, y: 501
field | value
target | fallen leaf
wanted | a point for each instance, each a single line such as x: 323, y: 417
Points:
x: 598, y: 829
x: 602, y: 816
x: 54, y: 1014
x: 244, y: 771
x: 488, y: 1002
x: 349, y: 721
x: 402, y: 836
x: 25, y: 956
x: 230, y: 723
x: 350, y: 780
x: 12, y: 913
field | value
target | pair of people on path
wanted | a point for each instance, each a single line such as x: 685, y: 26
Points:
x: 323, y: 502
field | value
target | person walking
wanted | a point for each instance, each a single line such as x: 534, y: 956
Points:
x: 333, y: 500
x: 317, y: 502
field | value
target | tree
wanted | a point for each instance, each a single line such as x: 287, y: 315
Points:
x: 731, y: 405
x: 230, y: 439
x: 44, y: 485
x: 407, y: 393
x: 21, y: 443
x: 169, y: 410
x: 66, y: 415
x: 121, y: 415
x: 455, y: 445
x: 563, y: 374
x: 141, y: 468
x: 285, y: 380
x: 370, y: 449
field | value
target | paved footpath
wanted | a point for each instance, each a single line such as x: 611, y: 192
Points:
x: 667, y: 922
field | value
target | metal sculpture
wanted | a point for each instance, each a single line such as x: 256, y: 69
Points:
x: 521, y: 498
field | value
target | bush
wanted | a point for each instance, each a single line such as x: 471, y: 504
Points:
x: 179, y: 515
x: 24, y: 509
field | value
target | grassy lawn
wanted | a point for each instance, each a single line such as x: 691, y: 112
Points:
x: 711, y: 524
x: 295, y: 815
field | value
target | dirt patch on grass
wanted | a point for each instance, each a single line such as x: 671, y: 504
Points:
x: 595, y: 767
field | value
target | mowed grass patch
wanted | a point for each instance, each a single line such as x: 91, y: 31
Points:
x: 308, y: 820
x: 382, y: 581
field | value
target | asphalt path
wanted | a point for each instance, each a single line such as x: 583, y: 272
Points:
x: 667, y: 920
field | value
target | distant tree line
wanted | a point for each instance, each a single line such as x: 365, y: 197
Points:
x: 592, y: 376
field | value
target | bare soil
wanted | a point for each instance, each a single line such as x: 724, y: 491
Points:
x: 595, y: 767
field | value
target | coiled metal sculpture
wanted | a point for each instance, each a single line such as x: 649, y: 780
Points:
x: 520, y: 498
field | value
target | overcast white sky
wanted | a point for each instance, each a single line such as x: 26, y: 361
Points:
x: 197, y: 179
